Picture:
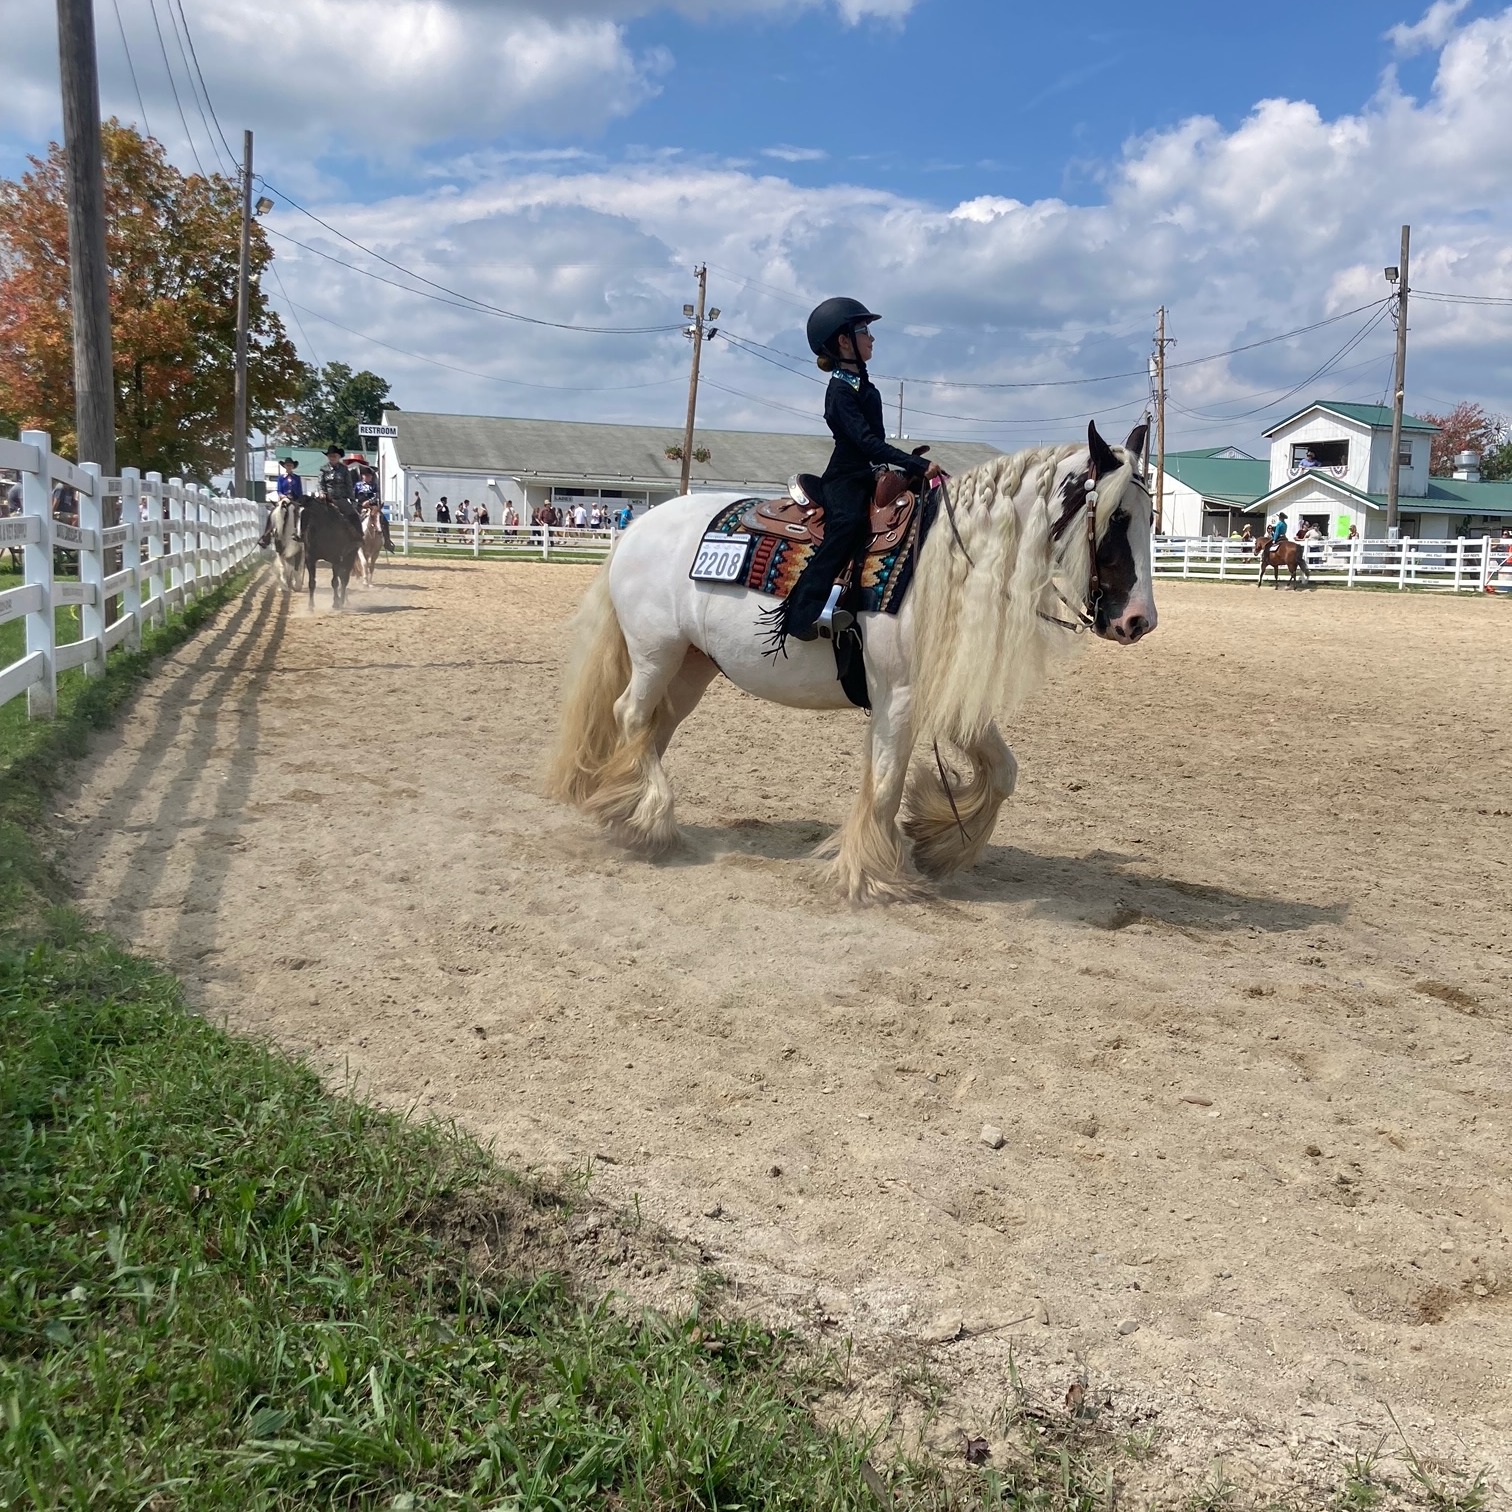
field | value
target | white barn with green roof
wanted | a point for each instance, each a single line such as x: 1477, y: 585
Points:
x: 1328, y: 467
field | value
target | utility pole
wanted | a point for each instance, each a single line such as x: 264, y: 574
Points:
x: 1398, y: 275
x: 243, y: 316
x: 696, y: 332
x: 1161, y: 342
x: 900, y: 411
x: 89, y: 276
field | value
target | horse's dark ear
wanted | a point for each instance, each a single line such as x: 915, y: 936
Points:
x: 1136, y: 443
x: 1104, y: 460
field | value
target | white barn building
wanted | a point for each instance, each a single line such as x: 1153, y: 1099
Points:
x: 533, y: 462
x: 1328, y: 467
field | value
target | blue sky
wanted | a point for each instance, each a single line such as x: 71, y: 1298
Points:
x: 1017, y: 187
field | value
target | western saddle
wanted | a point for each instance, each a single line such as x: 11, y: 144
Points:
x: 800, y: 516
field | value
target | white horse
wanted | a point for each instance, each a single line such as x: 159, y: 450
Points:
x: 1029, y: 549
x: 289, y: 552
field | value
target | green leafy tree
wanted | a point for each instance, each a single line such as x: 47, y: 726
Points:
x: 334, y: 402
x: 172, y: 245
x: 1496, y: 465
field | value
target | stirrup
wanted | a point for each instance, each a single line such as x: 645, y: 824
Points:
x: 833, y: 620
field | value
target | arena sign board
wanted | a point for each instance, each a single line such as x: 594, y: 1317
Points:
x: 378, y: 430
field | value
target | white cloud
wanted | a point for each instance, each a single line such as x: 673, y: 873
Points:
x: 795, y: 154
x: 1430, y: 32
x: 1281, y: 221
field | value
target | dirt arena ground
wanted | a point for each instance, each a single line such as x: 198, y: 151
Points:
x: 1233, y: 982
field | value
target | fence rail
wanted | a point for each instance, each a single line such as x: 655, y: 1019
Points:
x: 1449, y: 566
x: 1465, y: 565
x: 540, y: 541
x: 165, y: 560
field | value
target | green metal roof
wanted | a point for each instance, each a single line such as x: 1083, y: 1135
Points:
x: 310, y: 459
x: 1377, y: 416
x: 1444, y: 496
x: 1230, y: 480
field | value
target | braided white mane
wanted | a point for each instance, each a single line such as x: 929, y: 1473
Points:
x: 980, y: 643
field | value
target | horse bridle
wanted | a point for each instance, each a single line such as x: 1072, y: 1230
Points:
x: 1085, y: 617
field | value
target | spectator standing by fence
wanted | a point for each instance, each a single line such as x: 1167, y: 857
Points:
x: 443, y: 517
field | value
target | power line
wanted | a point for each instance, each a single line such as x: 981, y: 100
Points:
x: 173, y: 85
x: 1326, y: 367
x: 560, y: 388
x: 556, y: 325
x: 1467, y: 299
x: 189, y: 79
x: 1142, y: 373
x: 131, y: 68
x: 189, y: 37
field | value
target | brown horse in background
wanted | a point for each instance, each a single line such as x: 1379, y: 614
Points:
x: 1283, y: 553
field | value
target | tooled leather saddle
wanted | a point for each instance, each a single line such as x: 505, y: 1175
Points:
x: 800, y: 517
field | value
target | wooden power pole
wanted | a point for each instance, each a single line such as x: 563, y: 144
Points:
x: 1160, y: 423
x: 1394, y: 472
x: 89, y: 277
x: 697, y: 332
x: 243, y: 316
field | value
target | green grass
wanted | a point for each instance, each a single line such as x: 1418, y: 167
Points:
x: 223, y: 1287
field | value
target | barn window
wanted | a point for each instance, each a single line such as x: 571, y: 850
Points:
x: 1330, y: 454
x: 1404, y: 454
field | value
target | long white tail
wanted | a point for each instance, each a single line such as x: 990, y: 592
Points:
x: 598, y: 672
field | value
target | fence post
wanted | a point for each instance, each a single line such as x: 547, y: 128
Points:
x: 477, y: 538
x: 37, y: 567
x: 1485, y: 566
x: 175, y: 580
x: 156, y: 587
x: 1459, y: 562
x: 1222, y: 557
x: 1356, y: 546
x: 1402, y: 548
x: 92, y: 570
x: 545, y: 543
x: 131, y: 555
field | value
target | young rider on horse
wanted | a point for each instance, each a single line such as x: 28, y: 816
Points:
x: 289, y: 486
x: 1278, y: 530
x: 365, y: 492
x: 840, y: 338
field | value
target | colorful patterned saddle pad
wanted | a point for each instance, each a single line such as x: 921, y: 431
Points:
x: 740, y: 547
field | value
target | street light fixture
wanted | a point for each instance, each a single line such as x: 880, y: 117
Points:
x: 264, y: 204
x: 1392, y: 274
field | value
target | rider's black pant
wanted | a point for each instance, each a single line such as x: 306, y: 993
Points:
x: 847, y: 528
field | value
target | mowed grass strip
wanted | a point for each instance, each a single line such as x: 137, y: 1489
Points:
x: 221, y: 1286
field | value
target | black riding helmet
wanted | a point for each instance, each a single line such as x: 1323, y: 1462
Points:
x: 831, y: 318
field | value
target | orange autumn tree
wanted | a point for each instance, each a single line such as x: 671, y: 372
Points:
x: 172, y: 244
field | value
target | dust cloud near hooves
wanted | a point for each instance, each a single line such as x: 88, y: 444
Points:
x: 1232, y: 981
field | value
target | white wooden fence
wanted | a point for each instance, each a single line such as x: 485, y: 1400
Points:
x: 165, y: 562
x: 1409, y: 563
x: 412, y: 537
x: 1459, y: 565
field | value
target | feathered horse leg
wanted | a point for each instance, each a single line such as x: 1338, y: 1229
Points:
x: 871, y: 863
x: 949, y: 821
